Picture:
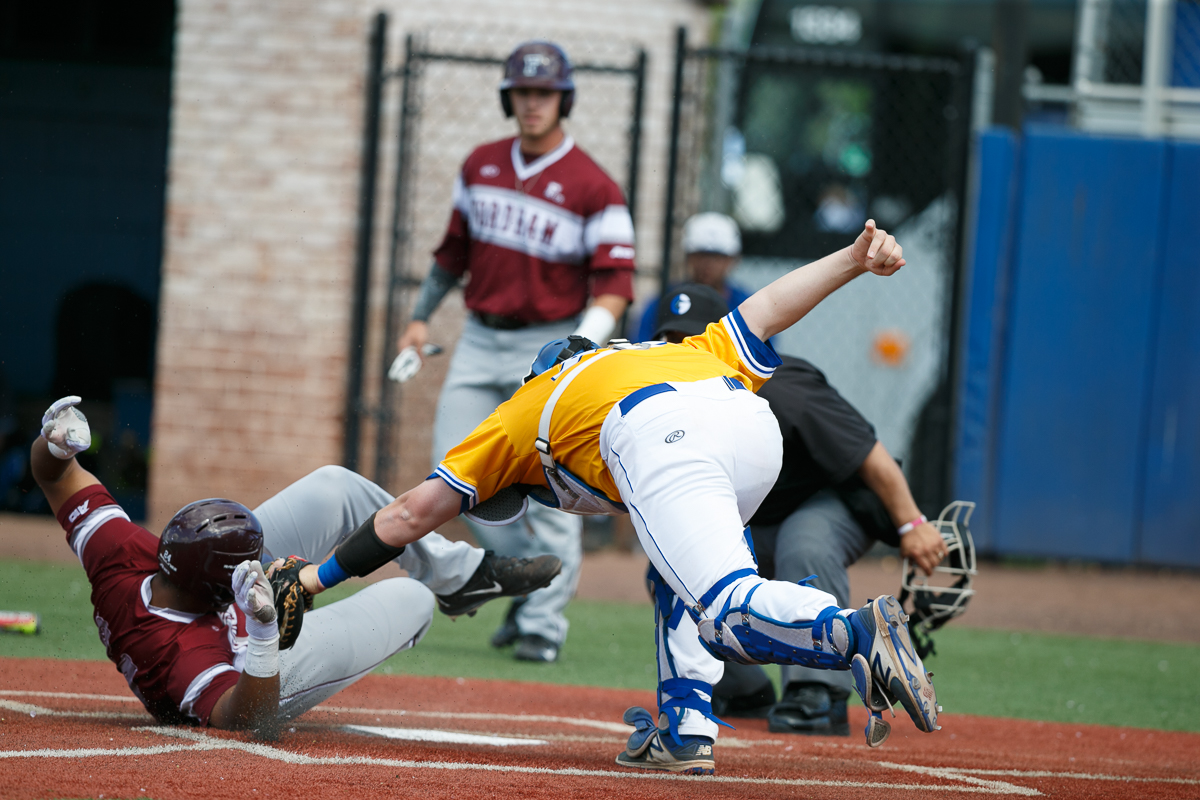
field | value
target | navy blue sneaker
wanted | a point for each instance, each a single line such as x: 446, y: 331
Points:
x: 887, y: 669
x: 654, y: 749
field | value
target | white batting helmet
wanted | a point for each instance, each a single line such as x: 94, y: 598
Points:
x: 935, y: 604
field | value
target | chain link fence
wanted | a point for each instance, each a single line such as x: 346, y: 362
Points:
x: 801, y: 147
x: 1137, y: 67
x: 445, y: 102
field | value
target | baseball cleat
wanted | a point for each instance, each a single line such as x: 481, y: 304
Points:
x: 654, y: 749
x: 499, y: 576
x: 893, y: 670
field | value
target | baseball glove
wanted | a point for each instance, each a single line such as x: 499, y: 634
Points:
x: 291, y: 599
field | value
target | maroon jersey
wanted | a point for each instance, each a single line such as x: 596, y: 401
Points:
x: 177, y: 664
x: 537, y: 238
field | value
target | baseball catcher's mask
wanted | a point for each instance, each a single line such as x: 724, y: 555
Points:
x: 538, y: 64
x: 934, y: 604
x: 202, y: 545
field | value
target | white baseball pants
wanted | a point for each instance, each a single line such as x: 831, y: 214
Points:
x: 692, y: 466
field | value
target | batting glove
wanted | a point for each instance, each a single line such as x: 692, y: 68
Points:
x: 65, y: 428
x: 408, y: 363
x: 252, y: 593
x: 405, y: 366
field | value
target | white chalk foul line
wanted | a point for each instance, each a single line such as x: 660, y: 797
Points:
x: 68, y: 695
x: 93, y: 752
x: 33, y: 711
x: 1079, y: 776
x: 299, y: 759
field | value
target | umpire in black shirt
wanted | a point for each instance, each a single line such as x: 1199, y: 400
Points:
x: 837, y: 493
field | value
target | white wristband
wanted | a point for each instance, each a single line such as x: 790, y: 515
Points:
x: 908, y: 526
x: 262, y: 656
x: 597, y: 324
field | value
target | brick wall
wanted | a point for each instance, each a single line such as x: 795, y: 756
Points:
x: 261, y: 213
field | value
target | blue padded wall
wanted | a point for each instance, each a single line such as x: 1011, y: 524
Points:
x: 983, y: 326
x: 1170, y: 532
x: 1072, y: 410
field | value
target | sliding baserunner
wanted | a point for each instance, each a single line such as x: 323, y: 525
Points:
x: 675, y: 436
x: 190, y: 618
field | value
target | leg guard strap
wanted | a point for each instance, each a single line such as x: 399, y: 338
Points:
x: 684, y: 693
x: 707, y: 599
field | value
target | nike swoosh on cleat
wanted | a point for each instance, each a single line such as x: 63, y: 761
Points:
x: 495, y: 588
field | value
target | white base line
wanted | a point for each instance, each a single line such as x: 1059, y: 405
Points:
x: 33, y: 711
x: 202, y: 741
x: 120, y: 698
x: 953, y: 773
x: 1079, y: 776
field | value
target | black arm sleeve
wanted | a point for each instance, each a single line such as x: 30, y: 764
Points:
x: 362, y: 553
x: 435, y: 286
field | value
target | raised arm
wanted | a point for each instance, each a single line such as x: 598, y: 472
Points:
x: 65, y: 432
x: 783, y: 303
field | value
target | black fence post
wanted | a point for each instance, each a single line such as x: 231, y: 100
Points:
x: 635, y: 134
x: 959, y: 179
x: 673, y: 159
x: 387, y: 388
x: 377, y: 43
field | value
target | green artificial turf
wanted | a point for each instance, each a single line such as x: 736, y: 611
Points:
x: 987, y: 672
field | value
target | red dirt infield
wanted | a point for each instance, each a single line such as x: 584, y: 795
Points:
x: 72, y: 729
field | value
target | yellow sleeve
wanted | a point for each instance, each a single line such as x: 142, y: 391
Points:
x: 731, y: 340
x: 482, y: 464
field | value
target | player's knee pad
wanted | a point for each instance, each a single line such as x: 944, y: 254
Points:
x: 743, y: 635
x: 683, y: 694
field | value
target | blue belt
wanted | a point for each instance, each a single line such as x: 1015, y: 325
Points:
x: 633, y: 399
x: 641, y: 394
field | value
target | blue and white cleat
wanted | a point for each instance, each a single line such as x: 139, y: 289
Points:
x: 887, y: 669
x: 654, y: 749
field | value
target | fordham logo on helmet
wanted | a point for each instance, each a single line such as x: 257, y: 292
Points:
x: 533, y: 61
x: 538, y: 64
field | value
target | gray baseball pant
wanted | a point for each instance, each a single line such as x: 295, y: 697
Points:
x: 487, y: 368
x: 343, y: 641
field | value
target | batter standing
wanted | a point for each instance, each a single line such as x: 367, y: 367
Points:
x: 540, y: 229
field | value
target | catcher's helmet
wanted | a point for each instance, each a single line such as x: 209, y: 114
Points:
x: 556, y: 352
x: 538, y: 64
x: 204, y: 542
x: 935, y: 605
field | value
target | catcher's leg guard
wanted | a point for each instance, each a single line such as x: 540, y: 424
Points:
x: 742, y: 634
x: 685, y: 686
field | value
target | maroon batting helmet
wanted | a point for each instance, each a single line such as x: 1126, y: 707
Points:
x: 538, y: 64
x: 204, y: 542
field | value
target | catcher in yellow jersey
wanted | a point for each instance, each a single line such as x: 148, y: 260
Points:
x: 675, y: 436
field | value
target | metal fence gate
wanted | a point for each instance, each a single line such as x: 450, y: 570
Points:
x: 446, y: 104
x: 801, y: 146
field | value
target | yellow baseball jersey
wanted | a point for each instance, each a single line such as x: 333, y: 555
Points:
x: 500, y: 452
